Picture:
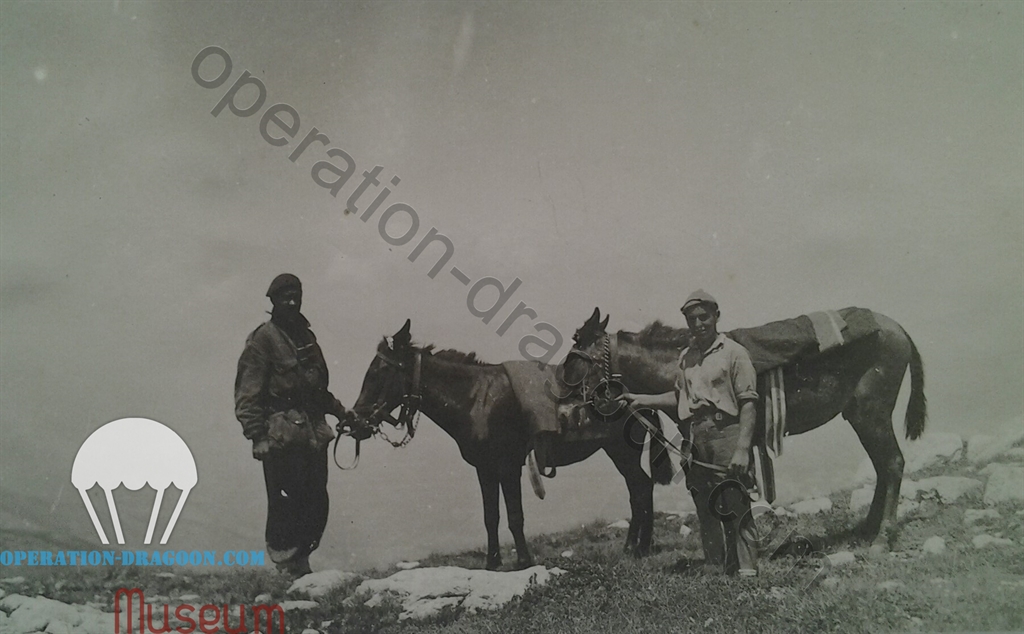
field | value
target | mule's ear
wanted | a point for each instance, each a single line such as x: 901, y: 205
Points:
x: 594, y: 317
x: 604, y: 324
x: 402, y: 337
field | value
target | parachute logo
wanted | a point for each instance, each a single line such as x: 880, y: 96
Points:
x: 122, y: 452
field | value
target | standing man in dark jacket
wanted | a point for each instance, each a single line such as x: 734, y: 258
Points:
x: 281, y: 399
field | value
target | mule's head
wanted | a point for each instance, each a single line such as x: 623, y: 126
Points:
x: 581, y: 369
x: 389, y: 378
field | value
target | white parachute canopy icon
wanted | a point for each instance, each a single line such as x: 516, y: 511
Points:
x: 134, y: 452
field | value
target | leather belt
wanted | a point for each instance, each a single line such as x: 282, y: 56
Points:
x: 712, y: 415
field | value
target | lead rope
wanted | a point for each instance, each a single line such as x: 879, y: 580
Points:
x: 355, y: 460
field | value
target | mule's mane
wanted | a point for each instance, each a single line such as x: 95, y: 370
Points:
x: 453, y: 356
x: 449, y: 355
x: 658, y: 335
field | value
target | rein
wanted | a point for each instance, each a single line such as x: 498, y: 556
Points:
x: 355, y: 460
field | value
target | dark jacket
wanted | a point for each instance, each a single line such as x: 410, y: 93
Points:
x: 278, y: 372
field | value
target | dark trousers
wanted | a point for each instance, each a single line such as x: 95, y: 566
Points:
x: 297, y: 502
x: 727, y: 530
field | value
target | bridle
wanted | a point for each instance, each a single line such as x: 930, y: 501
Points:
x: 602, y: 400
x: 408, y: 416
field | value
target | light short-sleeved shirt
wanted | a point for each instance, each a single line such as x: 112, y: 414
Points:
x: 722, y: 377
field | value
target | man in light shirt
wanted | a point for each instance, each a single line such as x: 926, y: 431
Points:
x: 715, y: 399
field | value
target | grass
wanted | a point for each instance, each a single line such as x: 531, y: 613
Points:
x: 964, y: 589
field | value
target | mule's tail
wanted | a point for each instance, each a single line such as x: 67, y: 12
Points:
x: 913, y: 424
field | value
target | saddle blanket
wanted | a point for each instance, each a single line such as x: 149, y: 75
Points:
x: 536, y: 388
x: 783, y: 342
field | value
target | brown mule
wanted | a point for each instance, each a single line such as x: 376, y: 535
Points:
x: 860, y: 380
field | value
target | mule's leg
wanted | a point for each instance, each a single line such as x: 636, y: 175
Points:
x: 870, y: 414
x: 512, y: 490
x: 492, y: 514
x: 880, y: 442
x: 641, y: 500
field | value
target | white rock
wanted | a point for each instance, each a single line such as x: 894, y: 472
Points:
x: 1005, y: 484
x: 58, y: 627
x: 425, y: 591
x: 909, y: 489
x: 861, y: 498
x: 983, y: 541
x: 830, y: 582
x: 907, y: 508
x: 949, y: 489
x: 1016, y: 453
x: 619, y: 524
x: 992, y: 467
x: 890, y: 585
x: 297, y: 605
x: 685, y: 530
x: 974, y: 516
x: 166, y: 575
x: 865, y: 473
x: 982, y: 448
x: 261, y: 599
x: 567, y: 554
x: 934, y: 545
x: 814, y: 505
x: 13, y: 581
x: 842, y: 558
x: 407, y: 565
x: 40, y: 614
x: 317, y: 584
x: 310, y: 630
x: 932, y: 449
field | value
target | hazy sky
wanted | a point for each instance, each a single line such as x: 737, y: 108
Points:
x: 787, y: 157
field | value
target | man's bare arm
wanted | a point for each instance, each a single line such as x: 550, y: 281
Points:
x: 667, y: 401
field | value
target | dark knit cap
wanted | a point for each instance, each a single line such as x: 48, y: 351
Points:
x: 283, y: 281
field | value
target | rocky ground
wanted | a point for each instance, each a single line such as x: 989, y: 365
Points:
x: 959, y: 564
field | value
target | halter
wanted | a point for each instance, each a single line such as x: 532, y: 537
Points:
x: 602, y: 400
x: 408, y: 416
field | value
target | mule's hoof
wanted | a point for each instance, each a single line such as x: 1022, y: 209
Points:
x: 523, y: 564
x: 493, y: 563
